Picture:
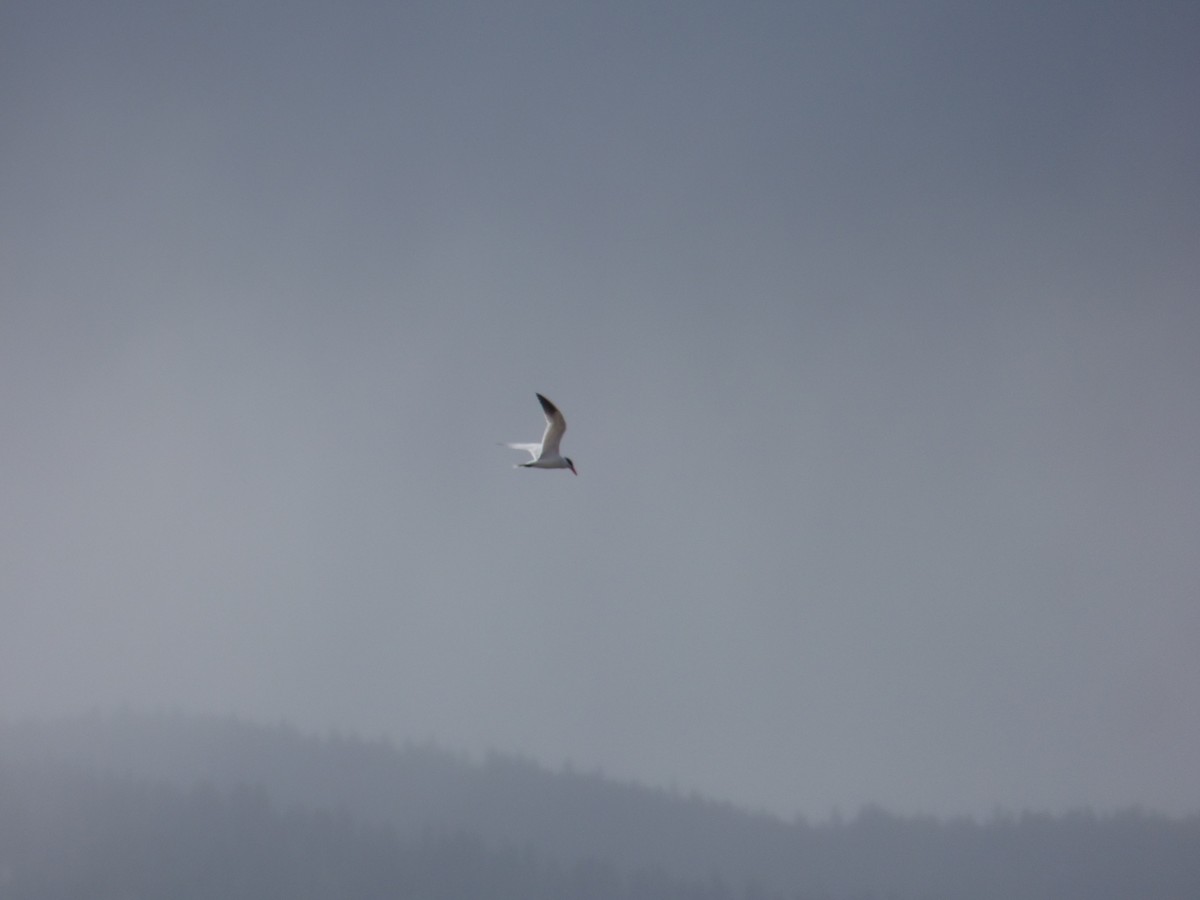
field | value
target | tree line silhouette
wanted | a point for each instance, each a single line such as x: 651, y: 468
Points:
x: 172, y: 806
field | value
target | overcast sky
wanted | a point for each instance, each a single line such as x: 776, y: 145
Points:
x: 876, y: 326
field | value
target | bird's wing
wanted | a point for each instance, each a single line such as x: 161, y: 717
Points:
x: 556, y: 425
x: 535, y: 450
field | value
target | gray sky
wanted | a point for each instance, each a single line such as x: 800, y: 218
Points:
x: 875, y: 324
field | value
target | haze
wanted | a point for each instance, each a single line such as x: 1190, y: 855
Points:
x: 875, y: 326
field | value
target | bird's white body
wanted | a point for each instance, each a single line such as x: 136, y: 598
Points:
x: 546, y: 455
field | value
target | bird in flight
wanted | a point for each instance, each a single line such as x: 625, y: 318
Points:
x: 545, y: 455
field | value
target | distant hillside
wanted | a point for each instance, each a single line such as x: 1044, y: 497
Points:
x: 513, y: 807
x: 66, y: 834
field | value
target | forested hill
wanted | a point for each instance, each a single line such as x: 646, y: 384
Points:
x: 287, y: 809
x: 66, y: 834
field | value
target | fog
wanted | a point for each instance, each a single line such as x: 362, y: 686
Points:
x: 874, y: 324
x: 133, y: 805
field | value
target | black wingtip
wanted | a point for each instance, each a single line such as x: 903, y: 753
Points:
x: 549, y: 407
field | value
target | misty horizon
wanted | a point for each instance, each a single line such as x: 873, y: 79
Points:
x: 158, y: 805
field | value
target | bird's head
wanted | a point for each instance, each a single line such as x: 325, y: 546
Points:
x: 571, y: 465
